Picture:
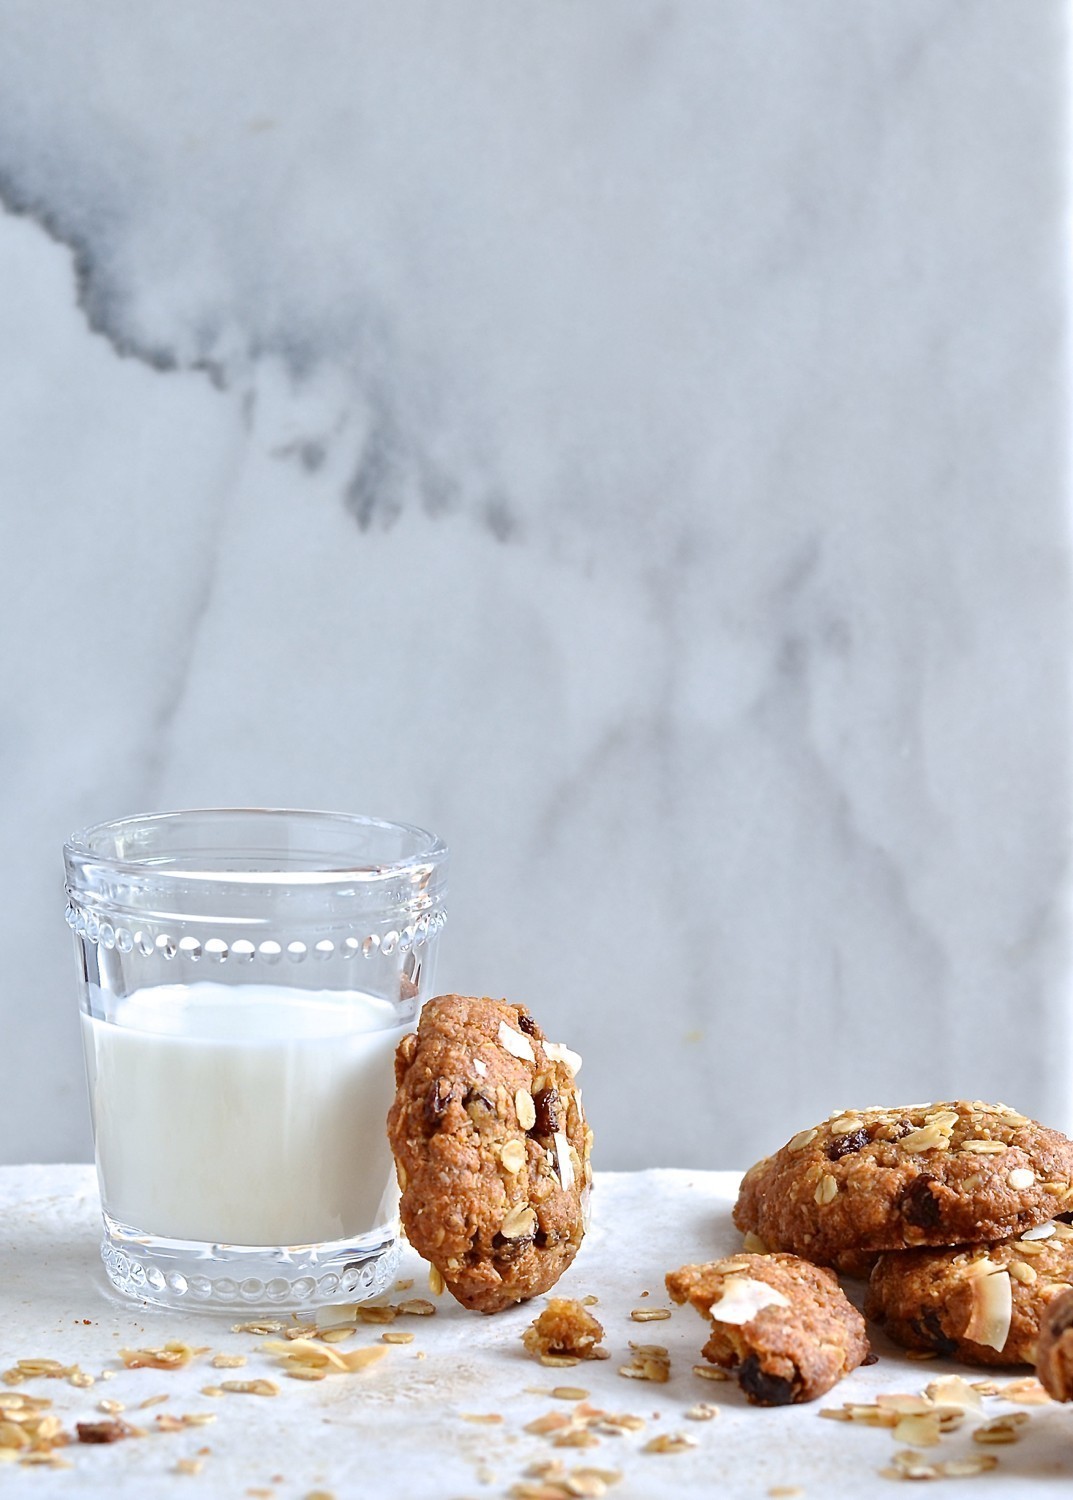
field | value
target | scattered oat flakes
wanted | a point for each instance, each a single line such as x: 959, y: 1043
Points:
x: 228, y: 1361
x: 650, y: 1314
x: 785, y: 1492
x: 670, y: 1442
x: 645, y: 1366
x: 703, y: 1411
x: 711, y: 1372
x: 173, y: 1356
x: 436, y: 1282
x: 1024, y: 1392
x: 569, y: 1392
x: 908, y: 1464
x: 259, y: 1387
x: 189, y: 1465
x: 1000, y: 1430
x: 261, y: 1326
x: 416, y: 1307
x: 395, y: 1337
x: 482, y: 1418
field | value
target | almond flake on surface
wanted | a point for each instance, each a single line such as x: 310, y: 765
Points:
x: 742, y: 1298
x: 515, y: 1043
x: 953, y: 1390
x: 920, y: 1429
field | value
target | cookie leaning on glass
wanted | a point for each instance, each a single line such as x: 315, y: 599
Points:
x: 491, y: 1148
x: 891, y: 1179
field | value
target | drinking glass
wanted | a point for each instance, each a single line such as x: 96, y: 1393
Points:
x: 245, y: 975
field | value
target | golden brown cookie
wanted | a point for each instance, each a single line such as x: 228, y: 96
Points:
x: 783, y: 1325
x: 1054, y: 1348
x: 888, y: 1179
x: 982, y: 1304
x: 492, y: 1150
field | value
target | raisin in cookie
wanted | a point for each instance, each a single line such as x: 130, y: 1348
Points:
x: 783, y: 1325
x: 1054, y: 1348
x: 491, y: 1148
x: 982, y: 1304
x: 888, y: 1179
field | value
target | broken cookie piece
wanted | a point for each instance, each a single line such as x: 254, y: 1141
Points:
x: 565, y: 1328
x: 781, y: 1324
x: 1054, y: 1348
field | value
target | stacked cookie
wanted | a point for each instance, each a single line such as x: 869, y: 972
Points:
x: 951, y: 1208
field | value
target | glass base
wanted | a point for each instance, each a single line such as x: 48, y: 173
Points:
x: 188, y: 1274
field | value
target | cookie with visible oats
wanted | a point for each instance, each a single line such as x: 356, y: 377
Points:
x: 783, y: 1325
x: 1054, y: 1348
x: 491, y: 1148
x: 890, y: 1179
x: 982, y: 1304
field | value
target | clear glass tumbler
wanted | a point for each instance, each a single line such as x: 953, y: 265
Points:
x: 245, y: 976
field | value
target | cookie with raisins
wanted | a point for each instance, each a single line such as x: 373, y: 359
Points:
x: 782, y: 1325
x: 491, y: 1148
x: 889, y: 1179
x: 981, y: 1304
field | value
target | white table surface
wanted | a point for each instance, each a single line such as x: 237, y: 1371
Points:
x: 398, y: 1430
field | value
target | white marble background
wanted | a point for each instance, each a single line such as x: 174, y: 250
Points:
x: 629, y: 438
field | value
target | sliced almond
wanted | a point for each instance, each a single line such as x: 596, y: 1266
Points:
x: 562, y: 1156
x: 525, y: 1109
x: 743, y: 1297
x: 1020, y: 1178
x: 515, y: 1043
x: 1040, y: 1231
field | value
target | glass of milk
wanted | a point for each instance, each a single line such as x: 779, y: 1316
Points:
x: 245, y: 977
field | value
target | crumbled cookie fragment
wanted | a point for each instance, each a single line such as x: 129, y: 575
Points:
x: 782, y: 1325
x: 1054, y: 1349
x: 872, y: 1180
x: 979, y: 1303
x: 565, y: 1327
x: 492, y: 1150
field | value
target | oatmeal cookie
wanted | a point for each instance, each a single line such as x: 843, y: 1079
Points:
x: 888, y: 1179
x: 1054, y: 1348
x: 491, y: 1148
x: 782, y: 1324
x: 982, y: 1304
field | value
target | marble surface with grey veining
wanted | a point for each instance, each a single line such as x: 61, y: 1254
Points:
x: 629, y: 439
